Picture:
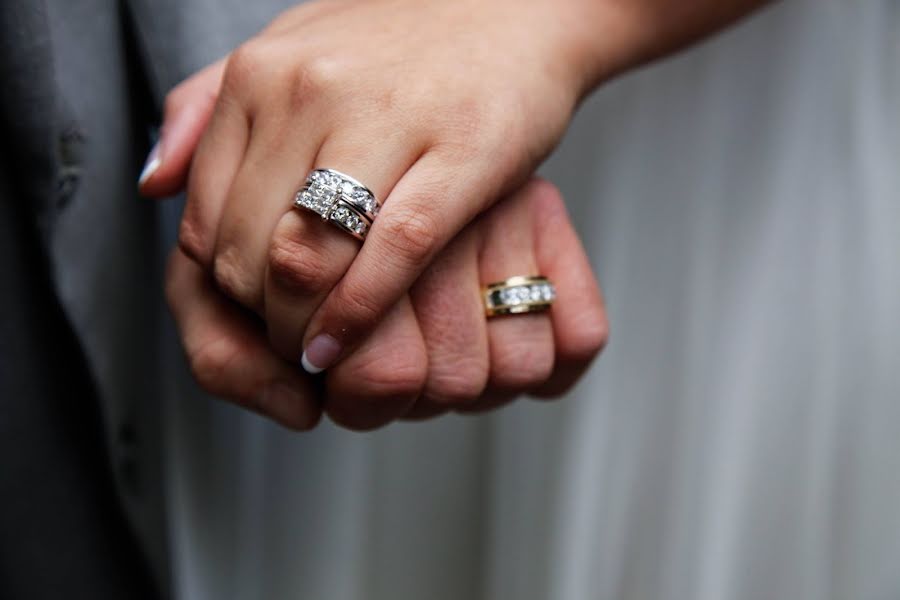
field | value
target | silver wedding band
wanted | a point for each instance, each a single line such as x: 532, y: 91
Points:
x: 340, y: 200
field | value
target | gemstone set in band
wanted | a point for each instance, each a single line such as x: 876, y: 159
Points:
x: 340, y: 200
x: 519, y: 295
x: 349, y: 205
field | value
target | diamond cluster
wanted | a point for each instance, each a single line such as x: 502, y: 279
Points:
x: 361, y: 197
x: 349, y: 219
x: 338, y: 199
x: 326, y: 178
x: 316, y: 199
x: 520, y: 294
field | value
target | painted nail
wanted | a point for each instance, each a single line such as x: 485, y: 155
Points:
x: 150, y: 167
x: 320, y: 353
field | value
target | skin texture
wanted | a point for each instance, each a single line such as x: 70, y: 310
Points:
x: 440, y: 112
x: 433, y: 352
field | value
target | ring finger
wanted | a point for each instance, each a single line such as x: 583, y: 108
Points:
x: 308, y: 256
x: 521, y: 346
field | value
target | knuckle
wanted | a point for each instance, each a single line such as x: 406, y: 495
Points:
x: 411, y: 238
x: 397, y: 375
x: 233, y: 278
x: 244, y: 64
x: 589, y: 340
x: 458, y: 382
x: 251, y: 66
x: 384, y: 386
x: 295, y: 266
x: 525, y: 367
x: 383, y: 389
x: 312, y: 78
x: 211, y: 362
x: 193, y: 241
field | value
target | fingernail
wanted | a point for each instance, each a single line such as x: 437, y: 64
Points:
x: 150, y: 167
x: 320, y: 353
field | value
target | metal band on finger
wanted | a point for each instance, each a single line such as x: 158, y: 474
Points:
x: 339, y: 199
x: 519, y: 295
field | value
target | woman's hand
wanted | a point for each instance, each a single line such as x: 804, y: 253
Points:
x: 438, y: 107
x: 434, y: 351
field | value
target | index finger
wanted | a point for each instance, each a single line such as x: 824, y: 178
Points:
x: 231, y: 358
x: 426, y: 209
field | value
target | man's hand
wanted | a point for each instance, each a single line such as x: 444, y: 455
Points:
x: 435, y: 351
x: 440, y: 108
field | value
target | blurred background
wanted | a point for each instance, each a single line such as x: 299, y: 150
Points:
x: 738, y: 439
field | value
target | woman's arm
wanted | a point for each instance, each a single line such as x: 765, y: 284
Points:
x: 439, y: 107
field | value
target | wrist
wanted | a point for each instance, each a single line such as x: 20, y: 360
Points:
x: 599, y: 39
x: 584, y: 42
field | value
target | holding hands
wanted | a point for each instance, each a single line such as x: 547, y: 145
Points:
x: 440, y: 109
x: 434, y: 351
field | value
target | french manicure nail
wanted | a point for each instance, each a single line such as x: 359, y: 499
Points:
x: 320, y: 354
x: 150, y: 167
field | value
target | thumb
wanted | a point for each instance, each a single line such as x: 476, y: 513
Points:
x: 188, y: 109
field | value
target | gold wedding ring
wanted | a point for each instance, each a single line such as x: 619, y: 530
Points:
x: 519, y: 295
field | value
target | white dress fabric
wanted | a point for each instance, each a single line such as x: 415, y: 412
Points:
x: 739, y: 438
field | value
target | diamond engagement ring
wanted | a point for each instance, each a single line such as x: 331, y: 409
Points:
x: 339, y: 199
x: 518, y: 295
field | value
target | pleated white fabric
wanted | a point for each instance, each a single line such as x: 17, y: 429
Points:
x: 740, y: 438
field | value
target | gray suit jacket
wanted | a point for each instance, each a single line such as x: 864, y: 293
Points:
x: 84, y: 336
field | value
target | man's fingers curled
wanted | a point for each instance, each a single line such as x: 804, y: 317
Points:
x: 228, y: 353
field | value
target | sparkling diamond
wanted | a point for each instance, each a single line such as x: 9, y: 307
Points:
x: 360, y: 228
x: 511, y: 296
x: 325, y: 179
x: 322, y: 197
x: 315, y: 198
x: 524, y: 293
x: 361, y: 197
x: 535, y: 293
x: 547, y: 292
x: 340, y: 214
x: 322, y: 204
x: 351, y: 221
